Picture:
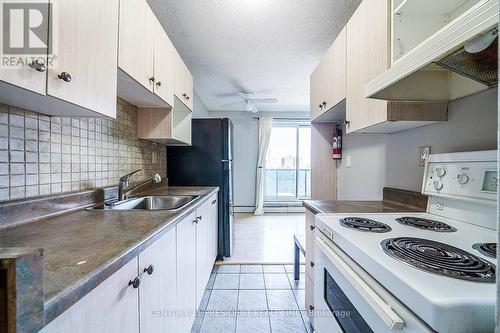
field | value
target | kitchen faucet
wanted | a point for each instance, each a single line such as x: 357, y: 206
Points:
x: 124, y: 189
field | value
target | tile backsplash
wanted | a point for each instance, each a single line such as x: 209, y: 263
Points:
x: 42, y: 155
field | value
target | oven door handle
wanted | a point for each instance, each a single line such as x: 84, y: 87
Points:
x: 381, y: 308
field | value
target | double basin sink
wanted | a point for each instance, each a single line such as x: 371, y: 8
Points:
x: 150, y: 202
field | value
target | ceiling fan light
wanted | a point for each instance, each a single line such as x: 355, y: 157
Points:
x: 248, y: 107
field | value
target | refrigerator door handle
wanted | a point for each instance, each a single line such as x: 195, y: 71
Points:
x: 225, y: 161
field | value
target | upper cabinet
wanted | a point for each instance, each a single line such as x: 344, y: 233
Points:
x: 74, y: 81
x: 328, y: 81
x: 163, y: 64
x: 368, y: 55
x: 183, y: 81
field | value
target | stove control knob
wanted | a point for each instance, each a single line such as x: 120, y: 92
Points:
x: 438, y: 185
x: 440, y: 172
x: 463, y: 179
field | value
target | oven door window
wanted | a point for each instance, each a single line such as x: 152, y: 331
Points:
x: 342, y: 309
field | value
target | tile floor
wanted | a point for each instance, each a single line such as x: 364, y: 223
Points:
x: 265, y: 239
x: 253, y: 298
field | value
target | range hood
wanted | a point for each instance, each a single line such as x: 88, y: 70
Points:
x: 458, y: 60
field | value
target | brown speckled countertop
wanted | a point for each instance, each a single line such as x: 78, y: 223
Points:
x: 318, y: 206
x: 83, y: 248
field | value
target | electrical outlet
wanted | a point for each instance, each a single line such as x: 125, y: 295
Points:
x: 423, y: 154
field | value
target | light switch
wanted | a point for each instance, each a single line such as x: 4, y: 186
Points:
x: 348, y: 162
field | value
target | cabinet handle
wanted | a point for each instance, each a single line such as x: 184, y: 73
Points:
x: 184, y: 95
x: 195, y: 220
x: 324, y: 103
x: 214, y: 202
x: 312, y: 227
x: 187, y: 97
x: 311, y: 307
x: 321, y: 106
x: 135, y: 283
x: 158, y: 84
x: 65, y: 76
x: 38, y: 65
x: 150, y: 269
x: 311, y: 263
x: 152, y: 79
x: 199, y: 218
x: 347, y: 123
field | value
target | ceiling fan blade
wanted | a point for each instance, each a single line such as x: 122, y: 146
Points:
x: 230, y: 104
x: 266, y: 100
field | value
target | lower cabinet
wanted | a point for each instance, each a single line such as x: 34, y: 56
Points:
x: 157, y: 291
x: 309, y: 276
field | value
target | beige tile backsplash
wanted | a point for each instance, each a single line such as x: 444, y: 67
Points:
x: 42, y: 155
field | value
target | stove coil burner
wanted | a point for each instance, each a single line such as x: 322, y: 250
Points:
x: 363, y: 224
x: 425, y: 224
x: 488, y: 249
x: 439, y: 258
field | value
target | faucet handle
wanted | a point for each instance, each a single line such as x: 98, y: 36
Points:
x: 126, y: 178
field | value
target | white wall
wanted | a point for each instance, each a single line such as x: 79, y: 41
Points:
x: 392, y: 160
x: 246, y: 131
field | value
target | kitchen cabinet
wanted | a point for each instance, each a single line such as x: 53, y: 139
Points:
x: 186, y: 273
x: 157, y: 293
x: 203, y: 255
x: 163, y: 69
x: 368, y: 55
x: 309, y: 276
x: 111, y: 307
x: 328, y: 81
x: 77, y: 82
x: 214, y: 229
x: 170, y: 126
x: 183, y: 81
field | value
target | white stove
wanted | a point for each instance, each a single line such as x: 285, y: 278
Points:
x: 393, y: 276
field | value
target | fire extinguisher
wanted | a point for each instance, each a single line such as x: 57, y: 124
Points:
x: 337, y: 143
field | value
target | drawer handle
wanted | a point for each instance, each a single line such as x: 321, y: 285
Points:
x: 38, y: 65
x: 312, y: 227
x: 379, y: 306
x: 150, y: 269
x: 65, y: 76
x: 135, y: 283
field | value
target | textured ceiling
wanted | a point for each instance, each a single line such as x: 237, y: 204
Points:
x: 268, y: 46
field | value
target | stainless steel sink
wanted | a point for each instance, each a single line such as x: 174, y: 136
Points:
x: 151, y: 202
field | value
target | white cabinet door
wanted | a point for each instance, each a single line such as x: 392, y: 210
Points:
x: 111, y: 307
x: 186, y: 273
x: 85, y: 72
x: 157, y: 293
x: 214, y: 229
x: 202, y: 250
x: 183, y: 81
x: 188, y: 87
x: 22, y: 75
x: 163, y: 64
x: 135, y: 55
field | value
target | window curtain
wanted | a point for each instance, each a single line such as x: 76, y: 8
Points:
x: 265, y: 127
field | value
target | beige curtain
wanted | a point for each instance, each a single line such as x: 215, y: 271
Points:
x: 265, y: 127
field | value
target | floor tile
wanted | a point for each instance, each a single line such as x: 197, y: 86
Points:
x: 289, y: 268
x: 287, y: 322
x: 253, y: 322
x: 251, y: 269
x: 223, y: 269
x: 252, y: 300
x: 211, y: 280
x: 276, y: 281
x: 300, y: 284
x: 223, y: 300
x: 300, y: 297
x: 273, y: 268
x: 226, y: 281
x: 218, y: 322
x: 307, y: 322
x: 252, y: 281
x: 281, y: 300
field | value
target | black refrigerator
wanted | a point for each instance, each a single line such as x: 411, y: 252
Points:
x: 208, y: 162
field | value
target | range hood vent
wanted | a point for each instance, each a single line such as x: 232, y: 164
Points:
x: 481, y: 66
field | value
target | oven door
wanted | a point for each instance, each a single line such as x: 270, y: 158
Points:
x: 347, y: 299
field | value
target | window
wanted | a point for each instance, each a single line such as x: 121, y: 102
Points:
x: 288, y: 163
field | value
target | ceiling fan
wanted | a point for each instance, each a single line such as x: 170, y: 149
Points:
x: 249, y: 100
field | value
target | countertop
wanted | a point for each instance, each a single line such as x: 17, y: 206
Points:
x: 83, y: 248
x: 319, y: 206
